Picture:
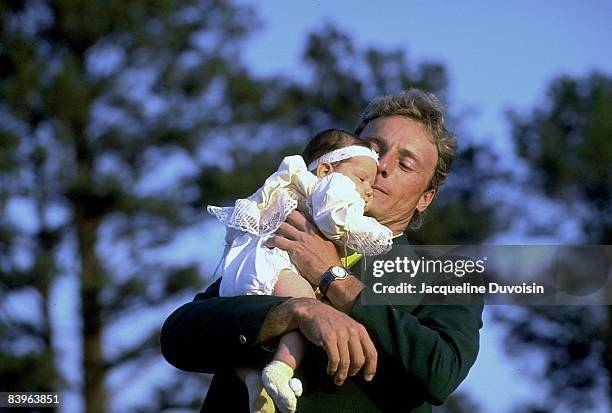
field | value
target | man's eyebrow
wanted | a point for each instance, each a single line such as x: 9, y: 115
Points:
x: 404, y: 152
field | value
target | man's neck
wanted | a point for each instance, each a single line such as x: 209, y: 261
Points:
x: 397, y: 229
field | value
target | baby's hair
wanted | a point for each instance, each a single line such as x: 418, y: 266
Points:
x: 329, y: 140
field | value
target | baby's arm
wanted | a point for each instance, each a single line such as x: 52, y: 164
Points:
x: 289, y: 284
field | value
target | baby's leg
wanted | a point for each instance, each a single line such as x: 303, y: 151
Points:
x: 291, y: 345
x: 290, y: 284
x: 277, y: 376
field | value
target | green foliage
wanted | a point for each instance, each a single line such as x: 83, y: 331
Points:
x: 566, y: 145
x: 30, y: 371
x: 95, y: 97
x: 461, y: 212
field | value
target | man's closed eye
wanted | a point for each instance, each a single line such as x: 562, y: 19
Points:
x: 406, y: 167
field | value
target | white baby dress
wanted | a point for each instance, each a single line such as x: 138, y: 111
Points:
x: 251, y: 268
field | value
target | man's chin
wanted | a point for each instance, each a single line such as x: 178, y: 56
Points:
x: 373, y: 212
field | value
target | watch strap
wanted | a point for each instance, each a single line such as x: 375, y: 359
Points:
x: 328, y: 278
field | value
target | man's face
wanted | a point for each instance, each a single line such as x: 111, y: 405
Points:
x: 408, y: 158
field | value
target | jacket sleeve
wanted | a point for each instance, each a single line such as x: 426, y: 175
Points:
x: 212, y: 332
x: 432, y: 345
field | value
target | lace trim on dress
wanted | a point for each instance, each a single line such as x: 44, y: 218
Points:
x: 246, y: 216
x: 373, y: 240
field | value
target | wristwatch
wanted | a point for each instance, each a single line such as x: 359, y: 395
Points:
x: 334, y: 273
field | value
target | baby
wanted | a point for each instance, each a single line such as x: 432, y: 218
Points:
x: 335, y: 191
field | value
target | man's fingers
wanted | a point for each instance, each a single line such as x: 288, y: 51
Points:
x: 277, y: 242
x: 371, y: 356
x: 302, y: 207
x: 333, y: 358
x: 302, y: 223
x: 288, y: 231
x: 297, y: 220
x: 346, y: 342
x: 345, y: 361
x: 357, y: 354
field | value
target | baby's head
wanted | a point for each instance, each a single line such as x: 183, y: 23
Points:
x: 357, y: 161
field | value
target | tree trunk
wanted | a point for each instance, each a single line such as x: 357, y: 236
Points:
x: 91, y: 316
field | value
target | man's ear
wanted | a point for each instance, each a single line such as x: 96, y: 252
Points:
x: 324, y: 169
x: 425, y: 200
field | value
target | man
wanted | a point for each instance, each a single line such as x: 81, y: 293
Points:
x: 408, y: 357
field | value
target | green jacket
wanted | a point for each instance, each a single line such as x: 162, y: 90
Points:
x: 424, y: 352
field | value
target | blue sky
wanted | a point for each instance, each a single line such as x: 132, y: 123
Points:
x: 498, y: 54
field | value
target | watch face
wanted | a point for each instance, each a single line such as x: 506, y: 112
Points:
x: 339, y: 272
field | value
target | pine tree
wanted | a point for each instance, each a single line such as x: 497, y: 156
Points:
x: 98, y: 101
x: 565, y: 143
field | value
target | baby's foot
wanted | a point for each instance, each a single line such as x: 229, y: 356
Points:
x: 277, y: 379
x: 296, y: 386
x: 259, y: 399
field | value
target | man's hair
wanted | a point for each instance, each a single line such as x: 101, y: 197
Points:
x: 425, y: 108
x: 327, y: 141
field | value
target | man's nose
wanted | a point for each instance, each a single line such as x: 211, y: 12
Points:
x: 385, y: 167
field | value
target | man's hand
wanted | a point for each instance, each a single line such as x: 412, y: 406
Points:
x: 346, y: 342
x: 310, y: 252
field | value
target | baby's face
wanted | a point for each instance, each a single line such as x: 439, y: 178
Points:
x: 362, y: 171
